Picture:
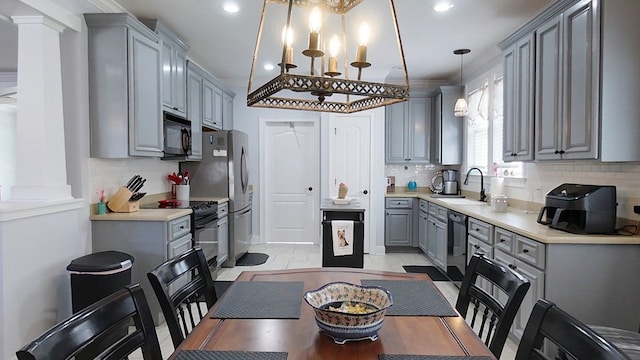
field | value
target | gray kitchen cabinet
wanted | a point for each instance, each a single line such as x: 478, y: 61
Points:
x: 527, y: 257
x: 399, y: 228
x: 423, y: 226
x: 222, y: 233
x: 437, y: 236
x: 194, y: 109
x: 227, y: 110
x: 480, y: 241
x: 174, y: 64
x: 519, y: 82
x: 447, y: 129
x: 175, y: 248
x: 124, y: 88
x: 585, y: 60
x: 407, y: 131
x: 212, y: 101
x: 149, y: 242
x: 566, y: 124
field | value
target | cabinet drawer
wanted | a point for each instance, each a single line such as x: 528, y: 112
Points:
x: 530, y: 251
x: 480, y: 230
x: 399, y: 203
x: 424, y: 206
x: 223, y: 210
x: 475, y: 246
x: 179, y: 227
x: 441, y: 214
x: 504, y: 240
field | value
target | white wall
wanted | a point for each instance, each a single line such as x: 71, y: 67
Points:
x: 7, y: 149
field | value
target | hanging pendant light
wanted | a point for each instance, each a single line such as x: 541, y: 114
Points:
x: 461, y: 108
x: 323, y: 77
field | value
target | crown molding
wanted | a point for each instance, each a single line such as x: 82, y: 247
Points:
x: 107, y: 6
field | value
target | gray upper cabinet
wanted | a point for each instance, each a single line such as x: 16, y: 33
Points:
x: 447, y: 129
x: 585, y: 75
x: 214, y: 103
x: 407, y: 131
x: 227, y: 110
x: 519, y: 81
x: 194, y: 109
x: 566, y: 124
x: 174, y: 63
x: 124, y: 87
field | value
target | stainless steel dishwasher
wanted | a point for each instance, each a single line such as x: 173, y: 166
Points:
x: 456, y: 246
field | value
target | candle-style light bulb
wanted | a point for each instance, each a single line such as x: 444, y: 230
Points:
x: 315, y: 21
x: 334, y: 49
x: 363, y: 39
x: 287, y: 40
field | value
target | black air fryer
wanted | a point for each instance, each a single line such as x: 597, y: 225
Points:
x: 581, y: 209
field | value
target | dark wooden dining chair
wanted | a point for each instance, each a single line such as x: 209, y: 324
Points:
x: 101, y: 330
x: 490, y: 317
x: 570, y: 338
x: 180, y: 284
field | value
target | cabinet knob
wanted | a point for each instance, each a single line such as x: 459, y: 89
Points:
x: 562, y: 152
x: 556, y: 152
x: 181, y: 226
x: 525, y: 251
x: 310, y: 188
x: 365, y: 192
x: 476, y: 246
x: 477, y: 229
x: 502, y: 240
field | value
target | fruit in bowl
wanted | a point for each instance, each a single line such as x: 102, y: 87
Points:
x: 348, y: 312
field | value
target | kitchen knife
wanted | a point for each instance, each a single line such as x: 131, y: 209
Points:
x: 139, y: 185
x: 137, y: 196
x: 133, y: 178
x: 135, y: 184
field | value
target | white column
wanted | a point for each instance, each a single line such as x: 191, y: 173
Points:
x: 41, y: 171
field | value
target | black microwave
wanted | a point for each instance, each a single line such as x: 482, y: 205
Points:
x: 177, y: 136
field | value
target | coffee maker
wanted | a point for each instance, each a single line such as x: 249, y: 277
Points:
x: 581, y: 209
x: 450, y: 182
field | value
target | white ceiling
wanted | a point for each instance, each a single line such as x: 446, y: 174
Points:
x: 224, y: 43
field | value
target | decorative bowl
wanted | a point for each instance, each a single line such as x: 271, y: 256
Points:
x: 328, y: 301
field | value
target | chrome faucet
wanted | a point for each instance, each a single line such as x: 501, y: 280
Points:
x: 483, y: 196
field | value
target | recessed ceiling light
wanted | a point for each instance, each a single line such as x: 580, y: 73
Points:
x: 442, y: 6
x: 231, y: 7
x: 268, y: 66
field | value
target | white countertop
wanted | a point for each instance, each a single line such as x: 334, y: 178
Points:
x: 143, y: 215
x: 518, y: 221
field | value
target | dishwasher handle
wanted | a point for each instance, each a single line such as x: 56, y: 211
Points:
x: 457, y: 217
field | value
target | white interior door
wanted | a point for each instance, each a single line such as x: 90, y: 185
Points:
x: 291, y: 151
x: 350, y: 160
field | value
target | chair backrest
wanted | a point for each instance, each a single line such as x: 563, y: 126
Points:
x: 491, y: 318
x: 101, y: 329
x: 573, y: 339
x: 180, y: 284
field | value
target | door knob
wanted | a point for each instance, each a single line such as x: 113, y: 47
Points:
x: 310, y: 188
x: 365, y: 192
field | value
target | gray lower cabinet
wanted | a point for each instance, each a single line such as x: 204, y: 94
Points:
x: 124, y: 88
x: 437, y: 236
x: 399, y: 228
x: 222, y: 233
x: 480, y: 241
x: 423, y: 225
x: 174, y: 66
x: 149, y: 242
x: 407, y: 126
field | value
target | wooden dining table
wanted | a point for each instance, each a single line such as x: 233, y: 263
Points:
x: 302, y: 339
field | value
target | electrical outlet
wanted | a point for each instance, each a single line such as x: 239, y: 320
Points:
x: 636, y: 209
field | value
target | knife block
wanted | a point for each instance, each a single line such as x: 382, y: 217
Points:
x: 120, y: 202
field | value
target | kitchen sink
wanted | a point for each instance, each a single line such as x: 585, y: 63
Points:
x: 461, y: 201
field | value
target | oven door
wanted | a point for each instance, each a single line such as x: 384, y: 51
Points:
x: 205, y: 235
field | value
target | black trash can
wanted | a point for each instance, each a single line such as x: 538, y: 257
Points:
x: 98, y: 275
x: 356, y: 258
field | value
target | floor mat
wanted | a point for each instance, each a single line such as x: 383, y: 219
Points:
x: 434, y: 273
x: 252, y: 259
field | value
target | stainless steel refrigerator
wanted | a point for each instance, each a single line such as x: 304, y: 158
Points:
x: 223, y: 172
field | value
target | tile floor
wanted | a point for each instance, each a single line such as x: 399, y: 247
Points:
x: 284, y: 256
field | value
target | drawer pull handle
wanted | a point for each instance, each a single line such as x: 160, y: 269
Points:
x: 502, y: 240
x: 181, y: 226
x: 525, y: 251
x: 477, y: 229
x: 476, y: 246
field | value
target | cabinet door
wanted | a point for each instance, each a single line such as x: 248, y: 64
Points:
x: 180, y: 82
x: 431, y: 238
x: 418, y: 125
x: 475, y: 246
x: 207, y: 103
x: 395, y: 133
x: 436, y: 129
x: 223, y: 240
x: 536, y: 292
x: 548, y: 100
x: 580, y: 130
x: 227, y: 111
x: 525, y: 61
x: 145, y: 119
x: 399, y: 228
x: 423, y: 221
x: 174, y: 249
x: 168, y: 66
x: 194, y: 113
x: 509, y: 103
x: 217, y: 108
x: 441, y: 245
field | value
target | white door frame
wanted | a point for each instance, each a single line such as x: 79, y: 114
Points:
x: 264, y: 122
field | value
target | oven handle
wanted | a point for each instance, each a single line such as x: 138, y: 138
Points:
x: 203, y: 223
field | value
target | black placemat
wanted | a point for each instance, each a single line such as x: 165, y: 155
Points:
x: 229, y: 355
x: 429, y: 357
x: 261, y: 300
x: 414, y: 298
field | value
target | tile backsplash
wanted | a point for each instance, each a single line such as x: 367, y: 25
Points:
x: 422, y: 174
x: 110, y: 175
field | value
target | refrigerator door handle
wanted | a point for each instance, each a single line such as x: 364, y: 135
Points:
x: 244, y: 171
